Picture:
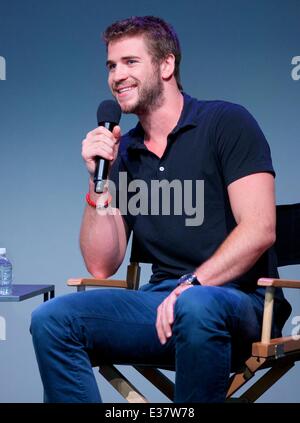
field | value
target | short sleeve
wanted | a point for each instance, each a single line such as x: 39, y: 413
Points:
x: 241, y: 145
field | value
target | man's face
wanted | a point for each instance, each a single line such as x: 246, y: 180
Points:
x: 133, y: 78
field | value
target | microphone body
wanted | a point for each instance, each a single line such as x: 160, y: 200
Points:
x: 102, y: 165
x: 108, y: 115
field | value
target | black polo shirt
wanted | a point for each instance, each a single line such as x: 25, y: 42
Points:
x: 215, y: 142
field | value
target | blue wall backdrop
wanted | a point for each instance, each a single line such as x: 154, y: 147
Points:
x: 54, y: 79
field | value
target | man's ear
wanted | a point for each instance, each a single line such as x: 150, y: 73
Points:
x: 168, y: 67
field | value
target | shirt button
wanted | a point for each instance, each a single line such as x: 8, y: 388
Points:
x: 161, y: 168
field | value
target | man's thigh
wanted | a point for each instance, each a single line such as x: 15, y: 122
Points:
x: 116, y: 325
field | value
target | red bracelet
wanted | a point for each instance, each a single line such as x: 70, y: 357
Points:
x: 90, y: 201
x: 100, y: 205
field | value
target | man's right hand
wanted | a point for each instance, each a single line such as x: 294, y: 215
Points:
x: 100, y: 142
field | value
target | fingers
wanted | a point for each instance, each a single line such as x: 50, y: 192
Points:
x: 97, y: 148
x: 163, y: 326
x: 117, y: 133
x: 165, y: 314
x: 165, y: 318
x: 100, y: 142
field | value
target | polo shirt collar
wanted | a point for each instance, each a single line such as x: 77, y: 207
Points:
x: 188, y: 115
x: 188, y: 118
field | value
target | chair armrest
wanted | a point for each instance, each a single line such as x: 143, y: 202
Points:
x: 112, y: 283
x: 280, y: 283
x: 276, y: 347
x: 271, y: 284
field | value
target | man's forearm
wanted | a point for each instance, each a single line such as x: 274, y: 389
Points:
x: 103, y: 240
x: 236, y: 255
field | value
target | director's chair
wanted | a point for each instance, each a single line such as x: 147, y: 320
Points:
x: 278, y: 355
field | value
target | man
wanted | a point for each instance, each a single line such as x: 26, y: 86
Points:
x: 201, y: 309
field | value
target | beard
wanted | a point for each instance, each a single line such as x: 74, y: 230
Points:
x: 150, y: 95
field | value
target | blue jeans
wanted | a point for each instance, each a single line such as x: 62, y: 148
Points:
x: 211, y: 324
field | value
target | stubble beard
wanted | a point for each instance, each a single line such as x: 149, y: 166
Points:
x: 150, y: 97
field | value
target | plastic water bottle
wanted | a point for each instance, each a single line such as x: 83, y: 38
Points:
x: 5, y: 273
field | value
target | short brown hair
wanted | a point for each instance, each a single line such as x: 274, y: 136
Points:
x: 161, y: 37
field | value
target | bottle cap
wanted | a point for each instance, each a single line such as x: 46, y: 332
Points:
x: 2, y: 251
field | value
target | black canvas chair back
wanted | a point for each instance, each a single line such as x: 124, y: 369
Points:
x: 287, y: 244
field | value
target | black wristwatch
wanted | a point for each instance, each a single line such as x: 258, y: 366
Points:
x: 188, y: 279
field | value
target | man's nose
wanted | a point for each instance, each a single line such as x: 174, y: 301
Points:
x: 120, y: 73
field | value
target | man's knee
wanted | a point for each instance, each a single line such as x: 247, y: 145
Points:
x: 49, y: 318
x: 200, y: 309
x: 39, y: 317
x: 196, y: 303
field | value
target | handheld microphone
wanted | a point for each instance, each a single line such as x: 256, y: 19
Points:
x: 108, y: 115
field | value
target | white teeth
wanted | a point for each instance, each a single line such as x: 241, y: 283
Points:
x: 123, y: 90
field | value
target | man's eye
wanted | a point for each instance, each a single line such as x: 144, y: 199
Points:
x: 131, y: 61
x: 111, y: 66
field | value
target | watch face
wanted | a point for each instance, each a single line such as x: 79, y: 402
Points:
x: 183, y: 278
x: 189, y: 278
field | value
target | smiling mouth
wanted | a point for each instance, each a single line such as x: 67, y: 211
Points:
x: 125, y: 89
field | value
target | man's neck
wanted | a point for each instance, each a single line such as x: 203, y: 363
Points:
x: 158, y: 123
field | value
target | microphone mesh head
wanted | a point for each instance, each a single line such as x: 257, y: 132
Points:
x: 109, y: 111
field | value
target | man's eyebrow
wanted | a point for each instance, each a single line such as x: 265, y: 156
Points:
x: 124, y: 58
